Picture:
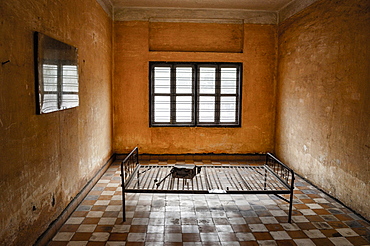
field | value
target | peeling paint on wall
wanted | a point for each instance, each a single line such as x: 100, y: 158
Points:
x: 323, y: 54
x: 45, y: 160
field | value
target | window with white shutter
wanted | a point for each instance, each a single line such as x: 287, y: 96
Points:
x: 195, y: 94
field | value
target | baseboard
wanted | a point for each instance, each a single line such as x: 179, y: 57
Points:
x: 198, y: 157
x: 62, y: 218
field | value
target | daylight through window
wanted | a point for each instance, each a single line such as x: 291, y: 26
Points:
x: 195, y: 94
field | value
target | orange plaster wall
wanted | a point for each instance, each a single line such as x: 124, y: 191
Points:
x: 45, y: 160
x: 131, y: 95
x: 208, y: 37
x: 323, y: 124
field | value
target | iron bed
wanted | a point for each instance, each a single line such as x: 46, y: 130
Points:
x: 271, y: 177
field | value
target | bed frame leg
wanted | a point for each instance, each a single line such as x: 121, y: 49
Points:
x: 123, y: 196
x: 123, y: 204
x: 290, y: 206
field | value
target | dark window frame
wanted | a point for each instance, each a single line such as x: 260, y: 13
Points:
x: 196, y: 94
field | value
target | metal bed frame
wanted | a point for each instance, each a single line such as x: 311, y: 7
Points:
x: 273, y: 177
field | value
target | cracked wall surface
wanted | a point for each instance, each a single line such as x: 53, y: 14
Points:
x: 323, y: 111
x: 45, y: 160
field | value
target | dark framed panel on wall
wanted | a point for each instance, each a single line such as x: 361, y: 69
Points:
x: 57, y: 78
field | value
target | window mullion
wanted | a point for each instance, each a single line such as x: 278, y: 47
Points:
x: 217, y: 95
x: 238, y: 97
x: 173, y: 95
x: 59, y: 85
x: 151, y: 93
x: 194, y: 95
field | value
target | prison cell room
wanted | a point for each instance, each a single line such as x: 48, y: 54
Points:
x: 184, y: 122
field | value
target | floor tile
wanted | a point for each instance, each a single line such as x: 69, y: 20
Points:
x: 99, y: 236
x: 136, y: 237
x: 75, y: 220
x: 224, y: 228
x: 82, y: 236
x: 69, y: 228
x: 227, y: 237
x: 340, y: 241
x: 86, y: 228
x: 77, y: 243
x: 63, y: 236
x: 191, y: 237
x: 314, y: 234
x: 245, y: 236
x: 262, y: 236
x: 266, y: 242
x: 304, y: 242
x: 347, y: 232
x: 280, y: 235
x: 297, y: 234
x: 173, y: 237
x: 209, y: 237
x: 258, y: 228
x: 154, y: 237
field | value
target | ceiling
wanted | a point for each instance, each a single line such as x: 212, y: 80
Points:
x: 249, y: 11
x: 260, y: 5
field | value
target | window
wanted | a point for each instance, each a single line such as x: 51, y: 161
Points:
x: 195, y: 94
x: 57, y: 76
x: 60, y: 87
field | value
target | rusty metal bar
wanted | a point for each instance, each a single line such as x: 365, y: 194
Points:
x: 273, y: 177
x: 128, y: 166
